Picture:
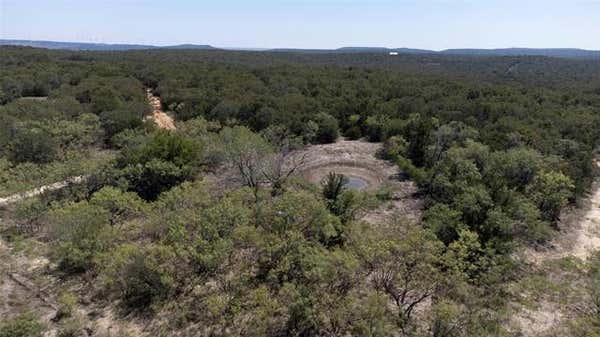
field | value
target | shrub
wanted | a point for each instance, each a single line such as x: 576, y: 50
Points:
x: 328, y: 128
x: 353, y: 133
x: 384, y: 193
x: 394, y: 147
x: 66, y: 305
x: 166, y: 160
x: 25, y: 325
x: 32, y: 145
x: 72, y: 327
x: 82, y: 232
x: 140, y: 275
x: 115, y: 121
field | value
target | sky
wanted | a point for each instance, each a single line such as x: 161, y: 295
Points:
x: 427, y: 24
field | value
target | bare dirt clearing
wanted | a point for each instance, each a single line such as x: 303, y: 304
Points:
x: 161, y: 118
x: 27, y: 284
x: 578, y: 238
x: 357, y: 159
x: 23, y: 284
x: 580, y: 231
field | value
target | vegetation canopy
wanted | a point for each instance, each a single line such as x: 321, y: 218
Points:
x: 211, y: 229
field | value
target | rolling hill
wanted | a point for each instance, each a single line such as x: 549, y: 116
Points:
x: 549, y: 52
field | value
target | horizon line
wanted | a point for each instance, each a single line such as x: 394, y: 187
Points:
x: 161, y: 45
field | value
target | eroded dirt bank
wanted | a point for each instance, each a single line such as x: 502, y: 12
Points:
x: 358, y: 159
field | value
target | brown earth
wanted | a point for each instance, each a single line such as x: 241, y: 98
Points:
x: 579, y: 231
x: 161, y: 118
x: 27, y: 284
x: 579, y: 236
x: 358, y: 159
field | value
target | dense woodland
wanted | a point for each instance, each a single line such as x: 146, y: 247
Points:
x: 498, y: 147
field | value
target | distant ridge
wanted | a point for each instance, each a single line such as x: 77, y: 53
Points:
x: 384, y: 50
x: 555, y: 52
x: 549, y: 52
x: 95, y: 46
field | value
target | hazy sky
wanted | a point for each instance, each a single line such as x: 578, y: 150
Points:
x: 432, y: 24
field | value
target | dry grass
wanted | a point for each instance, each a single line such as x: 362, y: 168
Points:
x: 578, y: 238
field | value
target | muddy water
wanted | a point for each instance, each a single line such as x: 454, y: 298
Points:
x: 356, y: 184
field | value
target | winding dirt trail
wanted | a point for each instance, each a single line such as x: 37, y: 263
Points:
x: 42, y: 189
x: 161, y: 118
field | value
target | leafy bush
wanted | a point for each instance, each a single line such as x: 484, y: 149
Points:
x: 353, y: 133
x: 82, y: 232
x: 72, y: 327
x: 32, y: 145
x: 551, y: 191
x: 66, y: 305
x: 115, y: 121
x: 24, y: 325
x: 394, y: 147
x: 165, y: 160
x: 140, y: 276
x: 328, y: 128
x: 384, y: 193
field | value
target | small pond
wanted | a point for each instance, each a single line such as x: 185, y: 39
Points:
x: 356, y: 184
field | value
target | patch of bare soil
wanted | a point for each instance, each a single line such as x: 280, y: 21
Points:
x: 580, y: 232
x: 23, y: 285
x: 27, y: 284
x: 358, y: 159
x: 161, y: 118
x: 579, y: 237
x: 541, y: 321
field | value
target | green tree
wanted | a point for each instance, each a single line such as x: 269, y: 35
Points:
x: 551, y: 192
x: 105, y: 99
x: 418, y: 132
x: 394, y: 147
x: 115, y: 121
x: 165, y: 160
x: 141, y: 276
x: 403, y: 262
x: 328, y: 128
x: 122, y: 206
x: 248, y: 152
x: 33, y: 145
x: 82, y: 232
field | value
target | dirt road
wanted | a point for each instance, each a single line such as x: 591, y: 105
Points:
x: 161, y: 118
x: 37, y: 191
